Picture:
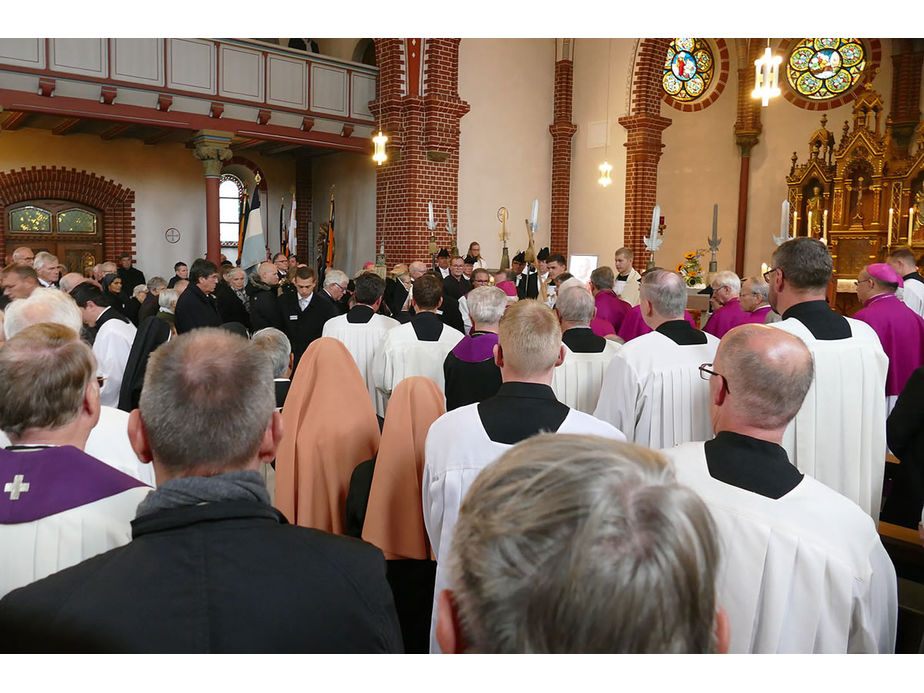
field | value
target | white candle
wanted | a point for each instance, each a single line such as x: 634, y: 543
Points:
x: 809, y: 228
x: 535, y: 211
x: 824, y: 223
x: 430, y: 206
x: 764, y: 268
x: 655, y: 221
x: 795, y: 224
x: 891, y: 214
x: 910, y: 223
x: 784, y: 220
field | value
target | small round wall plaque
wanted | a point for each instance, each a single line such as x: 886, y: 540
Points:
x: 172, y: 235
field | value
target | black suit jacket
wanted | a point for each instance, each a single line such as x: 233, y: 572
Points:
x: 304, y: 326
x: 264, y: 308
x: 186, y: 583
x: 457, y: 288
x: 195, y: 309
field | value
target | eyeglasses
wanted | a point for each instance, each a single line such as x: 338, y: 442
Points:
x: 343, y: 288
x: 100, y: 380
x: 863, y: 281
x: 706, y: 372
x: 769, y: 273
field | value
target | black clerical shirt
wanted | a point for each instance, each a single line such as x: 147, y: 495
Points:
x: 754, y: 465
x: 820, y: 320
x: 681, y: 332
x: 521, y: 410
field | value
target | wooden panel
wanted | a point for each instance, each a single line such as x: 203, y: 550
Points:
x: 362, y: 92
x: 23, y: 51
x: 191, y: 65
x: 138, y: 60
x: 328, y: 90
x: 288, y: 82
x: 241, y: 73
x: 79, y: 56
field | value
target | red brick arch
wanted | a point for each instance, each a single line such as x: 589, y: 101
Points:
x: 117, y: 203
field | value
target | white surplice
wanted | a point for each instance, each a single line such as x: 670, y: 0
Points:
x: 912, y: 294
x: 457, y: 449
x: 652, y: 391
x: 839, y: 434
x: 403, y: 355
x: 577, y: 381
x: 363, y: 340
x: 111, y: 347
x: 802, y: 573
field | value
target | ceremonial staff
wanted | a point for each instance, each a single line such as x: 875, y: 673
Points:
x: 502, y: 218
x: 715, y: 240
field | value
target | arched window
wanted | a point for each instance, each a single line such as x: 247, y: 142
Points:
x: 230, y: 208
x: 364, y: 52
x: 69, y: 230
x: 825, y: 68
x: 688, y: 69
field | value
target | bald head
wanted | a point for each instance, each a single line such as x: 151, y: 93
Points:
x: 70, y: 280
x: 267, y: 273
x: 768, y: 373
x: 416, y: 269
x: 23, y: 256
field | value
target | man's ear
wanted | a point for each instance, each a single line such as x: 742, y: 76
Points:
x: 722, y: 631
x: 498, y: 356
x: 91, y: 404
x: 440, y: 304
x: 448, y: 634
x: 272, y: 437
x: 289, y: 372
x: 561, y: 356
x: 138, y: 437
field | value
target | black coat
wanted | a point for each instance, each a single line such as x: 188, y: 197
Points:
x: 195, y: 309
x: 216, y: 577
x: 302, y: 327
x: 457, y: 288
x: 149, y: 308
x: 905, y: 435
x: 230, y: 307
x: 150, y: 335
x: 264, y: 306
x: 131, y: 278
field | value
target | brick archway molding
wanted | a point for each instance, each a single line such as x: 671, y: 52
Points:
x: 116, y: 202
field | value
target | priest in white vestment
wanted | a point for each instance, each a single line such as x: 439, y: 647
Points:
x: 911, y: 293
x: 362, y: 330
x: 58, y: 505
x: 577, y: 381
x: 652, y: 388
x: 464, y: 441
x: 418, y: 347
x: 838, y: 436
x: 627, y: 282
x: 803, y: 569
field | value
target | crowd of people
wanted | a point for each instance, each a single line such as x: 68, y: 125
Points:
x: 465, y: 460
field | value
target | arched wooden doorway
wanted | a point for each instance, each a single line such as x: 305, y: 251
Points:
x: 69, y: 230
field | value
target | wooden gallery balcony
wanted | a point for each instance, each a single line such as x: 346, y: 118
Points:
x: 270, y: 99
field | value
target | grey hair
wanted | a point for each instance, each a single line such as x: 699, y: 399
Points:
x: 572, y: 282
x: 575, y: 304
x: 666, y: 292
x: 769, y: 382
x: 603, y: 278
x: 41, y: 259
x: 760, y: 288
x: 191, y: 423
x: 167, y: 298
x: 581, y: 544
x: 156, y: 283
x: 726, y: 278
x: 276, y: 346
x: 141, y: 288
x: 486, y: 304
x: 335, y: 276
x: 806, y: 263
x: 43, y: 305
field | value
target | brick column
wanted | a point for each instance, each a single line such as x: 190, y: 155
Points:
x: 305, y: 241
x: 562, y: 130
x: 906, y: 92
x: 644, y: 126
x: 747, y: 131
x: 212, y: 149
x: 418, y: 107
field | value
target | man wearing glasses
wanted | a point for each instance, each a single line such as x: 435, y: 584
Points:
x: 805, y: 570
x: 337, y: 290
x: 480, y: 277
x: 651, y: 389
x: 838, y: 436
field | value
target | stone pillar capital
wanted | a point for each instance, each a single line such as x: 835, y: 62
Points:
x: 212, y: 148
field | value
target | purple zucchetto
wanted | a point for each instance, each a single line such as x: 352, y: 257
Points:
x: 884, y: 272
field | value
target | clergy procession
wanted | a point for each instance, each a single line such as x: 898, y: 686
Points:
x: 454, y: 459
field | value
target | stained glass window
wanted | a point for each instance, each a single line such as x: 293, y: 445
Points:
x: 30, y: 220
x: 823, y: 68
x: 230, y: 196
x: 76, y: 221
x: 688, y: 69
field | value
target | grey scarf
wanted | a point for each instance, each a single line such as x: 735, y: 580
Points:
x: 196, y: 490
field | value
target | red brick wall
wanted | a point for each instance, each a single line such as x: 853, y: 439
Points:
x: 422, y: 148
x: 644, y: 126
x: 562, y: 130
x: 116, y: 202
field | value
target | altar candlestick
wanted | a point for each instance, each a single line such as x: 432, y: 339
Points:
x: 430, y: 208
x: 784, y: 220
x: 824, y: 223
x: 891, y: 214
x: 910, y: 223
x: 535, y: 211
x: 808, y: 229
x: 795, y: 223
x: 715, y: 221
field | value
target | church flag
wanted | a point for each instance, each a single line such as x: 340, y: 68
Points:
x: 254, y: 251
x: 330, y: 234
x: 242, y: 225
x: 291, y: 233
x: 283, y: 232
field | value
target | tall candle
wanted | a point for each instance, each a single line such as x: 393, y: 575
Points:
x: 808, y: 229
x: 795, y: 223
x: 784, y: 220
x: 824, y: 223
x: 430, y: 208
x: 891, y: 214
x: 910, y: 223
x: 764, y: 268
x: 535, y: 211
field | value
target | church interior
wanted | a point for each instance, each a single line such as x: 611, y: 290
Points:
x: 157, y: 146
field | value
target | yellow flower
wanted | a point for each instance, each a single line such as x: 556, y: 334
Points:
x: 679, y: 266
x: 689, y: 256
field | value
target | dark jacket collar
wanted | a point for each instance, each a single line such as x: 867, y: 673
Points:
x: 175, y: 518
x: 681, y: 332
x: 751, y: 464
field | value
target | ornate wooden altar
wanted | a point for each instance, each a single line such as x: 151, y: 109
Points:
x: 860, y: 193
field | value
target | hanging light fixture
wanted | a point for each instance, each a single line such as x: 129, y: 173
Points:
x: 379, y: 141
x: 767, y: 76
x: 605, y: 167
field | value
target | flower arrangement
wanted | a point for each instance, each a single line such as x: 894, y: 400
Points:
x: 690, y: 269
